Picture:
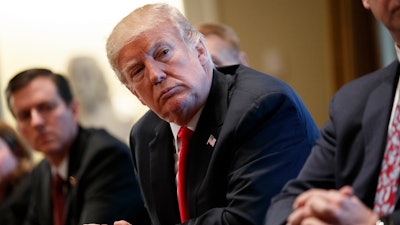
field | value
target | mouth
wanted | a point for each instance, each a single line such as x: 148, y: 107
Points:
x: 167, y: 93
x: 44, y: 138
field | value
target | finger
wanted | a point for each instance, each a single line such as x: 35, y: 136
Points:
x: 302, y: 199
x: 313, y: 221
x: 319, y: 207
x: 121, y: 222
x: 346, y: 190
x: 324, y: 209
x: 296, y: 217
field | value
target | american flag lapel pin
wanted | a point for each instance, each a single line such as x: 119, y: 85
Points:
x: 72, y: 181
x: 211, y: 140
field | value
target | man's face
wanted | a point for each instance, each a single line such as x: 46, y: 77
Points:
x: 43, y: 118
x: 221, y: 52
x: 166, y: 74
x: 386, y: 11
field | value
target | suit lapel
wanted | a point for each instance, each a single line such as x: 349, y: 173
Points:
x: 375, y: 121
x: 162, y: 174
x: 41, y: 199
x: 74, y: 163
x: 208, y: 128
x: 46, y: 191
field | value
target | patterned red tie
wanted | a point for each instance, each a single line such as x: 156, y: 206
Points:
x: 184, y: 135
x: 58, y: 197
x: 388, y: 177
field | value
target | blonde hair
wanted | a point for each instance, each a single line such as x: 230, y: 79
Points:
x: 143, y: 19
x: 223, y: 31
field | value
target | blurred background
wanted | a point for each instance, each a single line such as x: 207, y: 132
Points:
x: 315, y: 46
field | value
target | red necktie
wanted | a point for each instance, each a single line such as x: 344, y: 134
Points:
x: 58, y: 197
x: 388, y: 177
x: 184, y: 135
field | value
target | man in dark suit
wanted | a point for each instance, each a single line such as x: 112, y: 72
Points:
x: 252, y: 133
x: 95, y: 171
x: 338, y: 184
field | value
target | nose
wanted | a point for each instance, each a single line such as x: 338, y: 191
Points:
x: 37, y: 119
x: 155, y: 73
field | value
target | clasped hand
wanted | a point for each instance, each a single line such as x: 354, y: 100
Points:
x: 339, y: 207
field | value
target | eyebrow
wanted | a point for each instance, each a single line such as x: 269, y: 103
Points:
x: 153, y: 46
x: 130, y: 65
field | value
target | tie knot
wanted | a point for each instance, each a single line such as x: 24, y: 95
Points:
x: 58, y: 182
x: 185, y: 134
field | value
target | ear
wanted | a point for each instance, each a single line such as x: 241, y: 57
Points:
x: 202, y: 51
x: 74, y: 105
x: 366, y: 4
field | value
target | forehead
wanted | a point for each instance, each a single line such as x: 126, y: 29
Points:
x: 36, y: 91
x: 148, y: 41
x: 156, y: 35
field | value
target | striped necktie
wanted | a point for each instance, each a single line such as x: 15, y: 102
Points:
x: 388, y: 178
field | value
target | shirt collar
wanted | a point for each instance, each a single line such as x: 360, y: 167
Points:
x: 191, y: 125
x: 62, y: 169
x: 397, y: 52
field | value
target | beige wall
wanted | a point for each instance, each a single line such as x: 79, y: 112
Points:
x: 286, y: 38
x: 46, y: 33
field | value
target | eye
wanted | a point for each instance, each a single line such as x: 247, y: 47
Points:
x: 165, y: 51
x: 136, y: 73
x: 23, y: 116
x: 47, y: 107
x: 162, y: 54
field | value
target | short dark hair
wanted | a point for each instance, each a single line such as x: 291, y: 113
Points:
x: 23, y: 78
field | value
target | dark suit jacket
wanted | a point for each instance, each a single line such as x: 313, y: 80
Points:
x: 264, y: 135
x: 14, y: 207
x: 102, y: 186
x: 352, y: 145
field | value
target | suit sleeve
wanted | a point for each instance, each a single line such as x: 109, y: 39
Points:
x: 322, y: 157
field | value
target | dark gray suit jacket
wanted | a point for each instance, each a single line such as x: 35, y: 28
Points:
x: 352, y: 145
x: 105, y: 188
x: 264, y: 135
x: 14, y: 207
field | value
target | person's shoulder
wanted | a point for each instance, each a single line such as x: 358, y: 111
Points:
x: 100, y: 139
x: 43, y: 164
x: 148, y: 121
x: 96, y: 144
x: 246, y: 75
x: 147, y: 125
x: 256, y: 84
x: 96, y: 133
x: 366, y: 83
x: 39, y: 171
